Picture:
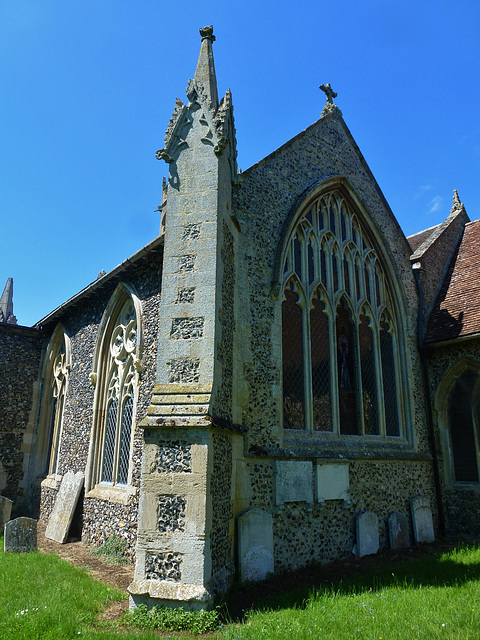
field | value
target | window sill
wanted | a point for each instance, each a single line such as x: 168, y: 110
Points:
x: 465, y: 486
x: 119, y: 495
x: 51, y: 482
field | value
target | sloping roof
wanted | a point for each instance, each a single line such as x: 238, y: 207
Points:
x: 457, y: 309
x: 419, y: 238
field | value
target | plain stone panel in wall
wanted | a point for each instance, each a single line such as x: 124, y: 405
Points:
x: 293, y: 481
x: 332, y: 481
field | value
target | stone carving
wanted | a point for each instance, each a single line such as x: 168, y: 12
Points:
x: 207, y: 33
x: 329, y: 92
x: 398, y: 531
x: 162, y: 154
x: 183, y: 370
x: 5, y: 511
x: 65, y: 504
x: 185, y: 295
x: 163, y: 566
x: 367, y: 534
x: 177, y: 112
x: 187, y: 328
x: 255, y: 544
x: 20, y: 535
x: 171, y: 513
x: 293, y: 481
x: 173, y: 457
x: 422, y: 519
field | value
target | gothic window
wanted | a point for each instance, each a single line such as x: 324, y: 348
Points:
x: 463, y: 428
x: 340, y: 346
x: 55, y: 378
x: 116, y: 383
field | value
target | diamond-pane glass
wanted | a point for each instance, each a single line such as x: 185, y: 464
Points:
x: 293, y: 374
x: 461, y: 429
x: 369, y: 388
x: 389, y: 381
x: 346, y: 373
x: 127, y: 415
x: 53, y: 455
x: 109, y: 450
x: 322, y: 410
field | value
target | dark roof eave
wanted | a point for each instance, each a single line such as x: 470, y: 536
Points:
x: 153, y: 246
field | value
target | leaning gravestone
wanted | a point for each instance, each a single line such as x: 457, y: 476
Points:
x: 255, y: 544
x: 422, y: 519
x: 5, y: 511
x: 398, y: 531
x: 20, y: 535
x: 367, y: 534
x: 65, y: 504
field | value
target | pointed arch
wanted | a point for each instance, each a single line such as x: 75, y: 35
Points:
x: 116, y: 368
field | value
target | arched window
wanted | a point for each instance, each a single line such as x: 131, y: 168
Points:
x: 55, y: 379
x: 118, y: 365
x: 340, y: 348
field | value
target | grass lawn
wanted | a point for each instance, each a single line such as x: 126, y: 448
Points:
x: 43, y: 597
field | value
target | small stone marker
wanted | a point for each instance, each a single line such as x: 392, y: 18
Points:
x: 20, y: 535
x: 5, y: 511
x: 65, y: 504
x: 398, y: 531
x: 255, y: 544
x: 293, y: 481
x: 367, y: 534
x: 422, y: 519
x: 333, y: 481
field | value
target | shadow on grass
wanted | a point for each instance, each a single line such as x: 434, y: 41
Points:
x: 283, y: 591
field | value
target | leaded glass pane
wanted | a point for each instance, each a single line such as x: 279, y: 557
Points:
x: 346, y: 373
x: 346, y: 276
x: 369, y: 388
x: 53, y: 416
x: 331, y: 213
x: 322, y: 411
x: 334, y: 272
x: 311, y: 264
x: 460, y: 412
x: 343, y: 224
x: 323, y: 266
x: 297, y: 252
x: 293, y: 372
x: 109, y: 449
x: 124, y: 459
x: 389, y: 381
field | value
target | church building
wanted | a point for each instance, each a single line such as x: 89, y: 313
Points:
x: 277, y: 372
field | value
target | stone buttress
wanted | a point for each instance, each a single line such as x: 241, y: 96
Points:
x: 185, y: 525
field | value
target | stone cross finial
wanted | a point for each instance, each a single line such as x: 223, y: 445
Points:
x: 207, y: 33
x: 329, y: 92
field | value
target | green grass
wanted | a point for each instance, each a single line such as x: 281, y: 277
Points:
x: 435, y: 597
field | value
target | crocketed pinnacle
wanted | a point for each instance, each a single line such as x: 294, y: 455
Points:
x: 6, y: 304
x: 205, y: 72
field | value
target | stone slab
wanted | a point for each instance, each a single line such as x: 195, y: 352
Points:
x: 367, y: 534
x: 5, y: 511
x: 423, y: 530
x: 332, y: 481
x: 20, y: 535
x: 255, y: 544
x: 64, y: 508
x: 293, y: 481
x: 398, y: 531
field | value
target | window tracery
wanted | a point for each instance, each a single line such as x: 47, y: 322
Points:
x: 340, y: 360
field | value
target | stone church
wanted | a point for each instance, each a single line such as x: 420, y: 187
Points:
x: 278, y: 362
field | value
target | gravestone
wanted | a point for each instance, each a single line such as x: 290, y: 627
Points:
x: 65, y: 504
x: 5, y: 511
x: 293, y: 481
x: 422, y: 519
x: 255, y: 544
x: 367, y: 534
x: 398, y: 531
x: 20, y: 535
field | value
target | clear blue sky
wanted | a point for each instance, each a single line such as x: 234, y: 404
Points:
x: 88, y: 88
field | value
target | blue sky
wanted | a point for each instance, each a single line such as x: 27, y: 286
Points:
x: 88, y: 88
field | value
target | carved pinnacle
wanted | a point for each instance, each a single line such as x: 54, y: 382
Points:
x: 207, y: 33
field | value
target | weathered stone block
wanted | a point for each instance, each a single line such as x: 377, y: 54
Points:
x: 293, y: 481
x: 398, y: 531
x: 5, y: 511
x: 367, y: 534
x: 20, y: 535
x: 333, y: 481
x: 255, y: 544
x: 422, y: 519
x: 65, y: 504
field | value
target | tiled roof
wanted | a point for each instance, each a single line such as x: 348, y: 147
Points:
x: 457, y: 309
x: 419, y: 238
